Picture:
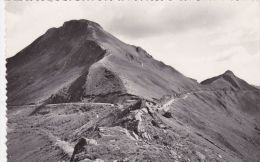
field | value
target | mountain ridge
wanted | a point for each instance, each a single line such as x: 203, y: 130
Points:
x: 228, y: 80
x: 79, y: 47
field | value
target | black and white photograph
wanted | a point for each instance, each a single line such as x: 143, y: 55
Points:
x: 132, y: 80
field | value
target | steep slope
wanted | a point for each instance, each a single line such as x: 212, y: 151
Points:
x: 226, y: 114
x: 80, y: 61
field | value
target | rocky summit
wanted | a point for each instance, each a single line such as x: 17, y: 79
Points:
x: 77, y: 93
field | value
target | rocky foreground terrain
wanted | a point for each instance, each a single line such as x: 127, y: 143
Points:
x: 77, y: 93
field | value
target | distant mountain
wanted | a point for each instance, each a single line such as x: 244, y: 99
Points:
x: 228, y: 80
x: 81, y: 61
x: 258, y: 87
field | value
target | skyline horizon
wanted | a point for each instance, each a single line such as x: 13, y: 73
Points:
x: 206, y: 38
x: 137, y: 46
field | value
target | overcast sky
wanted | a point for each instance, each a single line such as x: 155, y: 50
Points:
x: 200, y: 39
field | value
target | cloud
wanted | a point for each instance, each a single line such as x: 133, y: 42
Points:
x: 15, y: 6
x: 138, y: 22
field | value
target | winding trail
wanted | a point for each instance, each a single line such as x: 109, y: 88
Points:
x: 167, y: 105
x: 184, y: 96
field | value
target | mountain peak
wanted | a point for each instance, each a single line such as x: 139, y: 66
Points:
x: 229, y: 72
x: 79, y: 27
x: 75, y: 28
x: 81, y: 61
x: 80, y: 22
x: 228, y: 80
